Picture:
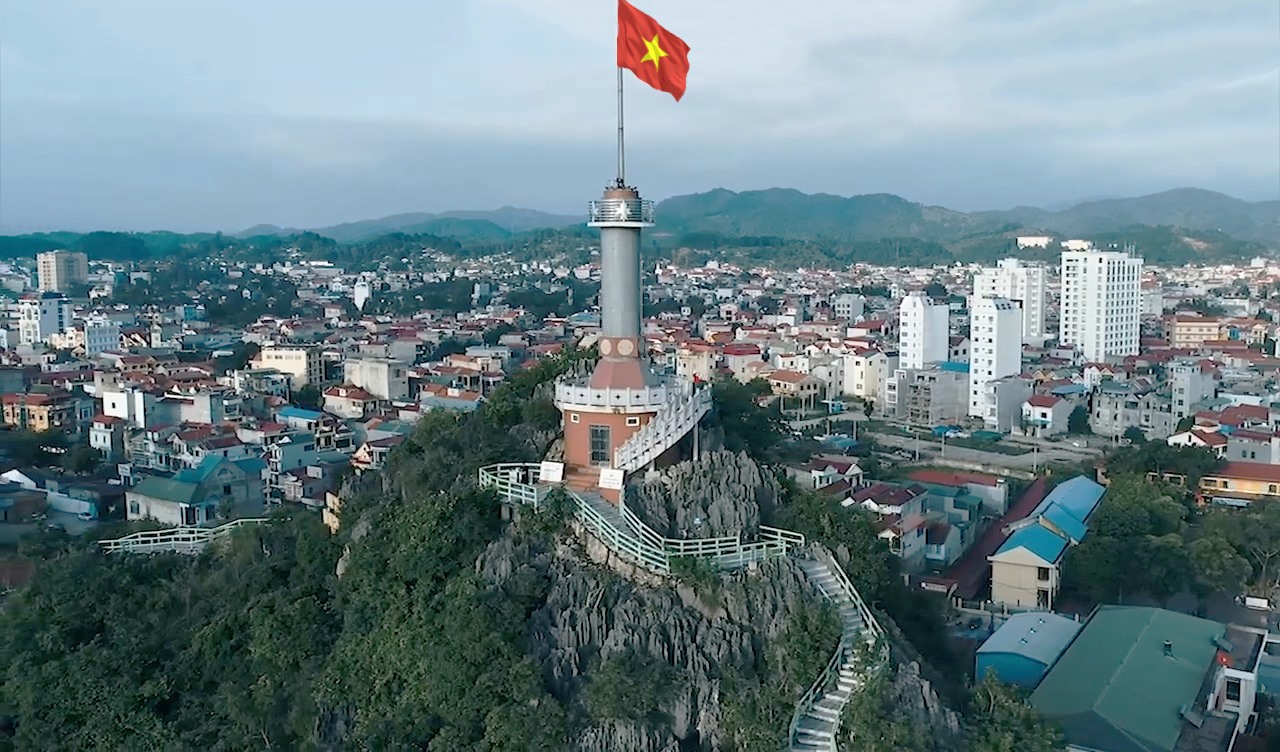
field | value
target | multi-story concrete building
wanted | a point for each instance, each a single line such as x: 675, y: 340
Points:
x: 1189, y: 383
x: 923, y: 335
x: 42, y: 315
x: 100, y: 335
x: 995, y: 349
x: 59, y: 271
x: 1121, y: 405
x: 929, y: 396
x: 1101, y: 302
x: 382, y: 377
x: 1019, y: 282
x: 302, y: 364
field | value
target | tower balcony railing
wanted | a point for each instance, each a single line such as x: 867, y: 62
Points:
x: 631, y: 211
x: 577, y: 393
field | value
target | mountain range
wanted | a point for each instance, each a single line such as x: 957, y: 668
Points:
x: 791, y: 214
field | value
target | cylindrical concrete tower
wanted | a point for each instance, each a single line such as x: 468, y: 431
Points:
x: 620, y: 215
x: 624, y: 416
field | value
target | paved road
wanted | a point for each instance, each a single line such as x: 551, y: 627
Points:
x: 1030, y: 461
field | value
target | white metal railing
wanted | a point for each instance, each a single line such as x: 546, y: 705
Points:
x: 634, y: 539
x: 183, y: 539
x: 577, y: 392
x: 873, y: 639
x: 669, y: 426
x: 620, y: 211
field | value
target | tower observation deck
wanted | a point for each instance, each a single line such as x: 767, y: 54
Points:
x: 624, y: 415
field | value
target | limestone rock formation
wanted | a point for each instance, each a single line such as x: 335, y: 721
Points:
x: 720, y: 493
x: 591, y: 616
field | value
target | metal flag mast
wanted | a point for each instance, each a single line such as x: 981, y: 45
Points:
x: 622, y: 159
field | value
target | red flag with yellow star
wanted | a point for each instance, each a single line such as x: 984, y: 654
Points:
x: 655, y: 55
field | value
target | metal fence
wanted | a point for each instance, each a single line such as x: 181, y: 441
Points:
x: 185, y: 539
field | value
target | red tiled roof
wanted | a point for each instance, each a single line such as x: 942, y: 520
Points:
x: 944, y: 478
x: 1257, y: 471
x: 1043, y: 400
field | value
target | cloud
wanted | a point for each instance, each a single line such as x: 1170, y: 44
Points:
x: 315, y: 112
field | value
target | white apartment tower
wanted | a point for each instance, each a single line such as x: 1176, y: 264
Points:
x: 42, y: 315
x: 1101, y: 302
x: 995, y: 349
x: 923, y: 331
x: 1021, y: 283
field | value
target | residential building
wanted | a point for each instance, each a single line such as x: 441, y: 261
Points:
x: 923, y: 334
x: 382, y: 377
x: 1239, y: 484
x: 40, y: 411
x: 995, y: 349
x: 1045, y: 415
x: 100, y: 335
x: 60, y: 271
x: 351, y: 402
x: 204, y: 495
x: 1189, y: 384
x: 1214, y: 441
x: 107, y: 435
x: 1022, y: 283
x: 1138, y: 403
x: 848, y: 306
x: 372, y: 455
x: 1004, y: 399
x: 302, y: 364
x: 865, y: 371
x: 42, y: 315
x: 1026, y: 571
x: 1101, y: 302
x: 1190, y: 330
x: 1141, y: 678
x: 931, y: 396
x: 797, y: 391
x: 1025, y: 647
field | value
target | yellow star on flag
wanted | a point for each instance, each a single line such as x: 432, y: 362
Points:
x: 655, y: 52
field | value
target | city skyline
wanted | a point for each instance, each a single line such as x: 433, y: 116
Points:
x: 309, y: 115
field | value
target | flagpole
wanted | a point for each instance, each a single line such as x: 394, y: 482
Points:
x: 622, y: 160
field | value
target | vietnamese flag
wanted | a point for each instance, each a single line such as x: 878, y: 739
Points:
x: 655, y: 55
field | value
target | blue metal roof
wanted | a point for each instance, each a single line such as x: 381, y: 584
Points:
x: 1068, y: 389
x: 1037, y: 539
x: 1079, y: 496
x: 1038, y: 635
x: 1064, y: 520
x: 299, y: 413
x: 954, y: 366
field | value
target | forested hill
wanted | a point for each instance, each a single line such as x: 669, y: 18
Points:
x: 779, y: 226
x: 428, y: 623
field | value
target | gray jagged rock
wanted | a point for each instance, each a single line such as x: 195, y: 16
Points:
x: 591, y: 616
x: 360, y: 530
x: 720, y: 493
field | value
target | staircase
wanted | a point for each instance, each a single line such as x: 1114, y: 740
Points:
x: 817, y: 719
x: 682, y: 411
x: 183, y: 540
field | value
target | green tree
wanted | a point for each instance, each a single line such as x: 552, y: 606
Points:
x: 1218, y: 567
x: 1186, y: 424
x: 1078, y: 421
x: 868, y: 407
x: 308, y: 397
x: 747, y: 426
x: 1001, y: 721
x: 1134, y: 435
x: 81, y: 459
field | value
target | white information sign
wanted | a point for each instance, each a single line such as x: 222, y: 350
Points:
x: 611, y: 478
x: 551, y: 472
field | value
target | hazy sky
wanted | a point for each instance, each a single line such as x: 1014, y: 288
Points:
x: 143, y: 114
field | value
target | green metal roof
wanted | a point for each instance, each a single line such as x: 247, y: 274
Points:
x: 1115, y: 689
x: 166, y: 489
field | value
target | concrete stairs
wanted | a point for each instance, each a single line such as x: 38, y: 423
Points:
x: 817, y: 728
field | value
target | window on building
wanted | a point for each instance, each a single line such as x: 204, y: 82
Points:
x: 1233, y: 690
x: 599, y: 445
x: 633, y: 421
x: 1042, y: 574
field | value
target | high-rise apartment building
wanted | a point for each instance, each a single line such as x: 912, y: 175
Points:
x: 995, y: 349
x: 1022, y: 283
x: 923, y: 332
x: 59, y: 271
x: 42, y: 315
x: 1101, y: 302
